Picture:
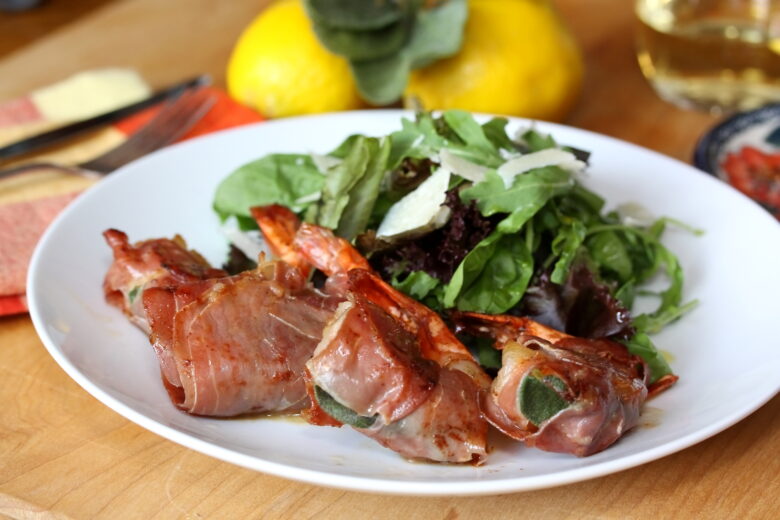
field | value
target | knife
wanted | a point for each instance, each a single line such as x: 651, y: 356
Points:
x: 80, y: 127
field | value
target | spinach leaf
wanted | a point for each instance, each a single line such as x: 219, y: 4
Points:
x: 500, y: 280
x: 610, y: 253
x: 274, y: 179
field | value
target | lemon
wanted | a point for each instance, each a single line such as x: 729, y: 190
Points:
x: 279, y: 67
x: 516, y: 59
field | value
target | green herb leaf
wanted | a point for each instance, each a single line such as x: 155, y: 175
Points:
x: 565, y: 245
x: 357, y: 15
x: 536, y: 141
x: 495, y: 130
x: 538, y: 400
x: 438, y: 33
x: 435, y: 33
x: 417, y: 284
x: 340, y: 180
x: 530, y: 190
x: 340, y: 412
x: 382, y: 81
x: 274, y: 179
x: 133, y: 294
x: 609, y: 252
x: 641, y: 345
x: 495, y: 278
x: 487, y: 355
x: 363, y: 45
x: 364, y: 193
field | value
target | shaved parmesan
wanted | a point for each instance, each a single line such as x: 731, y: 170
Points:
x: 634, y: 214
x: 420, y: 210
x: 463, y: 167
x: 549, y: 157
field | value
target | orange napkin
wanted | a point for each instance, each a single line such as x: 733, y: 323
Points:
x: 29, y: 204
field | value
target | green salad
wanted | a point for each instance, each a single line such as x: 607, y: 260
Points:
x: 461, y: 215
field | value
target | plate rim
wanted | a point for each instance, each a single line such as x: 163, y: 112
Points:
x: 365, y: 483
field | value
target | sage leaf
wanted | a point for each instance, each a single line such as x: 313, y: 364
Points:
x: 340, y: 412
x: 381, y: 81
x: 538, y: 400
x: 438, y: 33
x: 363, y: 45
x: 133, y: 294
x: 435, y: 33
x: 357, y: 15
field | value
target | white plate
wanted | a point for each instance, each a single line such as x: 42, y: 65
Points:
x: 726, y: 351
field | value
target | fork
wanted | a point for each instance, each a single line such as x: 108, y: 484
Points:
x: 173, y: 120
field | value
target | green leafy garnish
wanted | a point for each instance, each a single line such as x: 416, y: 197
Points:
x: 538, y: 398
x: 133, y: 294
x: 384, y: 40
x: 340, y: 412
x: 275, y: 179
x: 545, y: 223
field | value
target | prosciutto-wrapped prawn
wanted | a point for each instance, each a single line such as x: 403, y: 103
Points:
x: 227, y: 345
x: 336, y: 257
x: 372, y: 373
x: 558, y: 392
x: 387, y: 365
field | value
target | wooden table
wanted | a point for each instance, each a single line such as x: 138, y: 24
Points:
x: 63, y: 454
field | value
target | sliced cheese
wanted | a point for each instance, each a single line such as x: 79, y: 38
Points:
x: 421, y: 209
x: 530, y: 161
x: 463, y: 167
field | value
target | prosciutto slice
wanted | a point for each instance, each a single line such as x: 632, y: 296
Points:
x: 241, y: 345
x: 369, y: 371
x: 557, y: 392
x: 227, y: 345
x: 159, y: 262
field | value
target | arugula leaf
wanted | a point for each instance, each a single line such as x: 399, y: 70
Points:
x: 565, y: 245
x: 535, y: 141
x: 529, y: 190
x: 274, y: 179
x: 495, y: 131
x: 472, y: 134
x: 641, y: 345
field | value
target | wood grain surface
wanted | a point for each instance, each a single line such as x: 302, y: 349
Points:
x: 65, y: 455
